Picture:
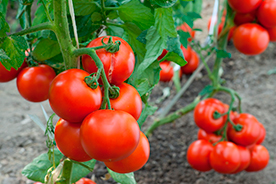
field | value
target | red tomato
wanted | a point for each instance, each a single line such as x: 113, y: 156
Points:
x: 245, y: 159
x: 85, y: 181
x: 262, y: 134
x: 244, y: 6
x: 259, y: 159
x: 251, y: 39
x: 33, y: 83
x: 166, y: 73
x: 129, y: 101
x: 162, y: 55
x: 242, y: 18
x: 38, y: 183
x: 6, y: 76
x: 135, y: 161
x: 204, y: 115
x: 118, y: 66
x: 66, y: 134
x: 109, y: 135
x: 187, y: 52
x: 249, y: 133
x: 266, y: 13
x: 210, y: 137
x: 186, y: 28
x: 71, y: 98
x: 225, y: 158
x: 198, y: 155
x: 272, y: 34
x: 192, y: 64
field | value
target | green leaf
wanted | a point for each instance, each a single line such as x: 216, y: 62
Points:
x: 163, y: 3
x: 147, y: 111
x: 3, y: 7
x: 184, y: 37
x: 85, y: 7
x: 134, y: 11
x: 188, y: 20
x: 164, y: 22
x: 175, y: 53
x: 46, y: 49
x: 197, y: 7
x: 3, y: 55
x: 122, y: 178
x: 223, y: 54
x: 96, y: 17
x: 194, y: 15
x: 206, y: 90
x: 142, y: 37
x: 40, y: 16
x: 184, y: 3
x: 4, y: 26
x: 56, y: 63
x: 79, y: 171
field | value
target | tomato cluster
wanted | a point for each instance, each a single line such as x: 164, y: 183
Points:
x: 225, y: 147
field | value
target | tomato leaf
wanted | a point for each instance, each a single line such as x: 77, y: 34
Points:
x: 46, y: 49
x: 40, y: 16
x: 3, y: 7
x: 3, y: 55
x: 184, y: 37
x: 163, y: 3
x: 206, y: 90
x: 147, y: 111
x: 164, y: 22
x: 197, y: 7
x: 79, y: 171
x: 122, y: 178
x: 85, y: 7
x: 4, y: 27
x: 223, y: 54
x: 175, y: 53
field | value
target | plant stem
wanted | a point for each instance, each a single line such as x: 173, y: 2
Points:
x: 29, y: 24
x: 39, y: 27
x: 47, y: 12
x: 66, y: 172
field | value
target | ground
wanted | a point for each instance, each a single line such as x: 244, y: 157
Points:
x: 21, y: 140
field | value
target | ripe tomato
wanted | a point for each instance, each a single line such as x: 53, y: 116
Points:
x: 210, y: 137
x: 166, y: 73
x: 272, y: 34
x: 266, y: 13
x: 262, y: 134
x: 259, y: 159
x: 249, y: 133
x: 6, y: 76
x: 225, y: 158
x: 129, y: 101
x: 245, y: 159
x: 242, y: 18
x: 192, y: 64
x: 66, y: 134
x: 38, y: 183
x: 251, y: 39
x: 109, y: 135
x: 85, y: 181
x: 117, y: 66
x: 33, y: 83
x: 162, y: 55
x: 244, y: 6
x: 204, y: 115
x: 135, y: 161
x: 71, y: 98
x: 186, y: 28
x: 198, y: 155
x: 186, y: 52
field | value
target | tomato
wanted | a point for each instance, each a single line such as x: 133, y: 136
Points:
x: 135, y: 161
x: 186, y: 52
x: 250, y: 39
x: 198, y: 155
x: 244, y: 6
x: 85, y: 181
x: 210, y: 137
x: 225, y: 158
x: 6, y: 76
x: 67, y: 137
x: 33, y: 83
x: 272, y: 34
x: 204, y: 115
x: 249, y: 133
x: 38, y: 183
x: 71, y: 98
x: 262, y: 134
x: 245, y: 159
x: 129, y: 100
x: 109, y: 135
x: 192, y: 64
x: 166, y: 73
x: 266, y: 13
x: 162, y: 55
x: 117, y: 66
x: 220, y: 27
x: 242, y: 18
x: 259, y: 159
x: 186, y: 28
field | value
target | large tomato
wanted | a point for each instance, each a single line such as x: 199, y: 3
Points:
x: 262, y: 134
x: 225, y: 158
x: 210, y: 137
x: 272, y: 34
x: 244, y: 6
x: 250, y: 39
x: 245, y: 159
x: 166, y: 73
x: 129, y: 100
x: 250, y: 132
x: 192, y: 64
x: 266, y: 13
x: 71, y: 98
x: 135, y: 161
x: 198, y: 155
x: 204, y: 115
x: 85, y: 181
x: 109, y: 135
x: 33, y: 83
x: 259, y: 158
x: 6, y: 75
x: 118, y: 66
x: 242, y: 18
x: 67, y: 136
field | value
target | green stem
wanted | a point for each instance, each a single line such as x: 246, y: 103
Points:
x: 111, y: 8
x: 39, y: 27
x: 103, y: 10
x: 29, y: 24
x: 47, y: 12
x: 66, y: 174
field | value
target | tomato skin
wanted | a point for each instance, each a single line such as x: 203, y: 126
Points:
x: 245, y: 159
x: 66, y: 134
x: 33, y: 83
x: 166, y: 73
x: 249, y: 133
x: 250, y: 39
x: 244, y: 6
x: 266, y: 13
x: 198, y: 155
x: 259, y: 159
x: 210, y: 137
x: 129, y: 100
x: 262, y: 134
x: 192, y: 64
x: 225, y: 158
x: 135, y: 160
x: 203, y: 115
x: 6, y: 76
x: 117, y: 66
x: 272, y: 34
x: 85, y: 181
x: 162, y: 55
x: 71, y: 98
x: 186, y: 52
x: 242, y: 18
x: 109, y: 135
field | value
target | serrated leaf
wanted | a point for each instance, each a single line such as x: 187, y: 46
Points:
x: 4, y: 26
x: 85, y: 7
x: 148, y: 110
x: 184, y: 37
x: 175, y: 53
x: 122, y: 178
x: 80, y: 171
x: 40, y: 16
x: 46, y: 49
x: 164, y: 22
x: 163, y: 3
x: 3, y: 55
x: 223, y: 54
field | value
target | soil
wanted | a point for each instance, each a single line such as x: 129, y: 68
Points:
x: 21, y: 140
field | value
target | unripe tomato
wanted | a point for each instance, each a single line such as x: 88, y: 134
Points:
x: 242, y: 18
x: 71, y: 98
x: 245, y: 159
x: 192, y: 64
x: 118, y: 66
x: 135, y: 160
x: 66, y: 134
x: 109, y: 135
x: 272, y: 34
x: 266, y: 13
x: 244, y: 6
x: 259, y: 159
x: 85, y: 181
x: 129, y: 101
x: 33, y: 83
x: 198, y: 155
x: 166, y: 73
x: 210, y: 137
x: 6, y: 76
x: 251, y: 39
x: 186, y: 28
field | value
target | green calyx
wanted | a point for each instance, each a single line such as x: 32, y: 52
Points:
x: 110, y: 46
x: 92, y: 81
x: 114, y: 92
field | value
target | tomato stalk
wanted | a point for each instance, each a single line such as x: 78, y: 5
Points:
x: 66, y: 174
